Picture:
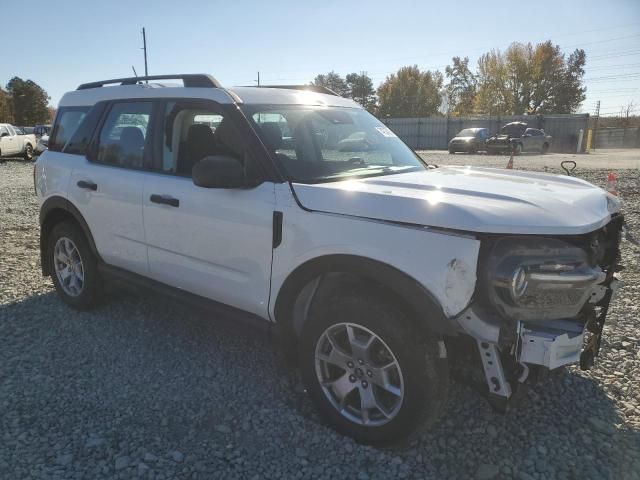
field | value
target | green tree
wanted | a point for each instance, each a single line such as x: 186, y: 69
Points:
x: 6, y: 115
x: 462, y: 88
x: 361, y: 90
x: 29, y: 101
x: 410, y: 93
x: 332, y: 81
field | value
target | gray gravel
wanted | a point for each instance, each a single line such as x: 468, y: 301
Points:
x: 146, y: 388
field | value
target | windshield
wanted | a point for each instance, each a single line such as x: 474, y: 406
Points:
x: 321, y: 144
x: 514, y: 128
x: 467, y: 132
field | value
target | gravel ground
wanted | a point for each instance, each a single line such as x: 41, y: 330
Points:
x: 610, y: 158
x: 145, y: 388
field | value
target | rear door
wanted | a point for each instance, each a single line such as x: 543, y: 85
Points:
x: 213, y: 242
x: 107, y: 185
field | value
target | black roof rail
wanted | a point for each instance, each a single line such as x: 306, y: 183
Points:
x: 310, y: 88
x: 201, y: 80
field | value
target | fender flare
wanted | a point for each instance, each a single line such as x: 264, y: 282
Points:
x: 55, y: 209
x: 427, y: 310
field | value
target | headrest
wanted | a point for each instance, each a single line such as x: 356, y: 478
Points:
x: 132, y: 136
x: 199, y: 132
x: 272, y: 135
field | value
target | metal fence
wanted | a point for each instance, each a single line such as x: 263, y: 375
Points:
x: 435, y: 132
x: 618, y: 138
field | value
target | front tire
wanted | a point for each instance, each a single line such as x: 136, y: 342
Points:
x: 517, y: 149
x: 544, y: 149
x: 372, y: 374
x: 28, y: 152
x: 73, y: 267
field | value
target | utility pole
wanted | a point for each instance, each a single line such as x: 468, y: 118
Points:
x: 595, y: 126
x: 258, y: 78
x: 362, y: 74
x: 144, y: 47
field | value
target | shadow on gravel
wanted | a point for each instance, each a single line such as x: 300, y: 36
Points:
x: 145, y: 377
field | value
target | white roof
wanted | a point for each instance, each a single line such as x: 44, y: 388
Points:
x: 249, y: 95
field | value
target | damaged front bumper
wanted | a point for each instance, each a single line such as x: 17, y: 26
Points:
x: 509, y: 354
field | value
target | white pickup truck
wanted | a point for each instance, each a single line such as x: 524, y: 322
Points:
x: 13, y: 143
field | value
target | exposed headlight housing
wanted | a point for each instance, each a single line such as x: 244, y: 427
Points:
x: 532, y: 278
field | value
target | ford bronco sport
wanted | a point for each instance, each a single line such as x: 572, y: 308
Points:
x: 298, y: 209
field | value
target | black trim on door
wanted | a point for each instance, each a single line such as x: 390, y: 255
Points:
x: 222, y: 311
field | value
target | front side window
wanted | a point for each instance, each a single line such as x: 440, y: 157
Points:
x: 3, y: 129
x: 193, y: 132
x: 123, y: 135
x: 320, y: 144
x: 66, y: 124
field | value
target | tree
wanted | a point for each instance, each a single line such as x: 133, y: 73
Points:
x: 52, y: 113
x: 462, y: 88
x: 528, y: 79
x: 29, y: 101
x: 493, y: 96
x: 410, y: 93
x: 332, y: 81
x: 6, y: 115
x: 361, y: 90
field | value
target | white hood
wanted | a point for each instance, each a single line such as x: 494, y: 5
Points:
x: 467, y: 198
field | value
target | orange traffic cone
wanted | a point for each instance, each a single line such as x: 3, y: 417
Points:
x: 612, y: 184
x: 510, y: 163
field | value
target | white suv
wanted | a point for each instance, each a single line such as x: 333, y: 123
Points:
x: 301, y: 211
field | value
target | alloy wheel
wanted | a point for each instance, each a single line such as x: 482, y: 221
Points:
x: 68, y: 266
x: 359, y: 374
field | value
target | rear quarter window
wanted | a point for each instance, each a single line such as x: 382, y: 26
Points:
x: 67, y: 122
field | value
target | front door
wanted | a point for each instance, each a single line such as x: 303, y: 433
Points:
x: 215, y: 243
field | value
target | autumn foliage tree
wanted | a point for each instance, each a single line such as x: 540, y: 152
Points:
x: 528, y: 79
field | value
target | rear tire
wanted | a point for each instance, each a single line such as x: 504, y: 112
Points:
x: 451, y: 151
x: 73, y: 267
x: 415, y: 386
x: 544, y: 149
x: 28, y: 152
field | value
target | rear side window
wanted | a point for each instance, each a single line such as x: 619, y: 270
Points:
x: 81, y: 139
x: 123, y: 135
x: 67, y: 121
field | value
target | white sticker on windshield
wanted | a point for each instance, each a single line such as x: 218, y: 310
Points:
x: 385, y: 131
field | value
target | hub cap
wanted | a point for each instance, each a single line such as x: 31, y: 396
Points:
x: 68, y: 266
x: 359, y: 374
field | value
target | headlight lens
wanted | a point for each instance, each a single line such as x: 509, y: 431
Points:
x: 533, y: 278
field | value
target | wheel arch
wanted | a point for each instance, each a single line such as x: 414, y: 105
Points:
x: 315, y: 278
x: 53, y: 211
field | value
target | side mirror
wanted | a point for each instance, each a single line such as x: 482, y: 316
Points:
x: 4, y: 134
x: 219, y: 171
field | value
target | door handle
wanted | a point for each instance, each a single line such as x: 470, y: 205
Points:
x: 165, y: 200
x: 87, y: 185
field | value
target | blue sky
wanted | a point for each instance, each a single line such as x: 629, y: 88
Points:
x: 75, y: 41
